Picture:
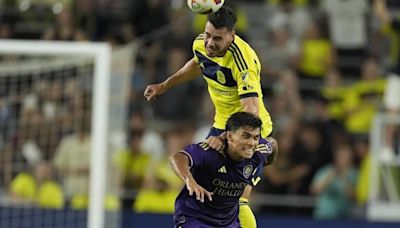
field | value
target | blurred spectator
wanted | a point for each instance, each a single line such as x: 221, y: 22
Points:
x: 72, y: 159
x: 316, y: 55
x: 64, y: 28
x: 347, y: 22
x: 149, y: 15
x: 287, y: 105
x: 297, y: 3
x: 310, y: 152
x: 132, y: 163
x: 293, y: 19
x: 334, y: 93
x: 283, y: 177
x: 279, y: 54
x: 177, y: 105
x: 30, y: 124
x: 363, y: 155
x: 181, y: 35
x: 38, y: 187
x: 364, y: 98
x: 5, y: 31
x: 161, y: 186
x: 334, y: 186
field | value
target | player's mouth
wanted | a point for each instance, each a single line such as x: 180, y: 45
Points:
x: 248, y: 151
x: 211, y: 49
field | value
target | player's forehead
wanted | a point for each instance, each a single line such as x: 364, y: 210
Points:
x: 248, y: 130
x: 212, y: 31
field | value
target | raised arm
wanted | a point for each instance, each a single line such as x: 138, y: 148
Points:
x: 180, y: 163
x: 188, y: 72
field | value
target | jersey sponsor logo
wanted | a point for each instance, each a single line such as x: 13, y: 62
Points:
x: 221, y: 92
x: 221, y: 77
x: 247, y: 170
x: 228, y: 188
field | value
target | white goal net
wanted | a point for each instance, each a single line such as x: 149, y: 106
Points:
x: 62, y: 116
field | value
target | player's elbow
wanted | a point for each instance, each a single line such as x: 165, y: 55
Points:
x: 172, y: 160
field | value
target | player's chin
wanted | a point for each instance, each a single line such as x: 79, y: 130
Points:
x: 247, y: 155
x: 211, y: 54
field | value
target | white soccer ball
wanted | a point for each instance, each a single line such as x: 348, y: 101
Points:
x: 205, y: 6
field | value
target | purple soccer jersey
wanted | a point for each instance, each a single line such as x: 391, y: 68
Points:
x: 224, y: 177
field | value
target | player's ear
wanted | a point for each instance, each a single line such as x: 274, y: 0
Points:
x: 233, y: 33
x: 228, y: 136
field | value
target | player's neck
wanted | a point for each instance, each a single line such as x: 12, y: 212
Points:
x: 232, y: 155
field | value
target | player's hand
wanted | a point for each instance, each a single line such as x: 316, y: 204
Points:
x: 152, y: 91
x: 217, y: 142
x: 200, y: 192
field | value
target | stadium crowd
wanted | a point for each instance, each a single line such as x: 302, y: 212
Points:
x: 325, y: 67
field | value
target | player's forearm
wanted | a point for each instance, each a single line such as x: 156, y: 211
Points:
x: 188, y: 72
x: 250, y: 104
x: 179, y: 162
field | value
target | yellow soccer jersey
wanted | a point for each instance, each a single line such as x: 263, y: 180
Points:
x: 229, y: 78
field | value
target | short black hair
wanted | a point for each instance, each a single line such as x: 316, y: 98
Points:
x: 243, y: 119
x: 223, y: 18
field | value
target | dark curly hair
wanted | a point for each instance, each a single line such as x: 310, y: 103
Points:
x: 223, y: 18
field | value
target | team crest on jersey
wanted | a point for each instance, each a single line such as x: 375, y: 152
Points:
x: 245, y: 76
x: 247, y: 170
x: 221, y: 77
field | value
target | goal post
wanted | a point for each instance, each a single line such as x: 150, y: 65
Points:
x: 384, y: 186
x: 101, y: 57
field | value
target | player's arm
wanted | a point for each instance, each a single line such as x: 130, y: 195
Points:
x: 180, y: 163
x: 269, y: 149
x: 188, y: 72
x: 250, y: 104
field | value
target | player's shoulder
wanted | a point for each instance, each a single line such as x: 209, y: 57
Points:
x: 201, y: 146
x: 198, y: 42
x: 240, y: 44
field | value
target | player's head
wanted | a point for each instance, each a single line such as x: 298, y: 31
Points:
x: 242, y: 133
x: 219, y: 31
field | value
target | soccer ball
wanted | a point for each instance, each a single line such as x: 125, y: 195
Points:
x: 205, y: 6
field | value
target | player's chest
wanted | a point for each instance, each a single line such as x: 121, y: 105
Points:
x: 219, y: 70
x: 231, y: 172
